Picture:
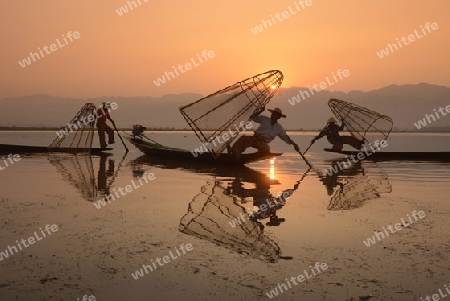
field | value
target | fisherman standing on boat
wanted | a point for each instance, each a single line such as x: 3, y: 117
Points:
x: 268, y: 129
x: 331, y: 130
x: 102, y: 127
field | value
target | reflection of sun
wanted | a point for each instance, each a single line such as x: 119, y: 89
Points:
x: 272, y: 169
x: 273, y: 87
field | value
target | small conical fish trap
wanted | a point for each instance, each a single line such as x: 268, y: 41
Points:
x: 224, y: 113
x: 78, y: 170
x: 361, y: 122
x: 355, y: 190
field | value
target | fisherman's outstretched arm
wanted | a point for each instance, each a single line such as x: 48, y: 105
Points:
x: 320, y: 135
x: 255, y: 116
x: 288, y: 140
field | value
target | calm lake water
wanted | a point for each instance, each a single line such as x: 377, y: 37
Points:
x: 324, y: 219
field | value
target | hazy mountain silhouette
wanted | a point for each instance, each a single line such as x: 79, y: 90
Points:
x: 406, y: 104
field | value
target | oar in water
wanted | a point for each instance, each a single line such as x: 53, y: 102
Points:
x: 312, y: 142
x: 114, y: 124
x: 304, y: 158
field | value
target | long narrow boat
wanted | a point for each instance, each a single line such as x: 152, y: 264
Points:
x: 22, y: 149
x: 155, y: 149
x: 401, y: 156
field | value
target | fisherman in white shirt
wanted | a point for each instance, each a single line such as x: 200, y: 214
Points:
x: 268, y: 130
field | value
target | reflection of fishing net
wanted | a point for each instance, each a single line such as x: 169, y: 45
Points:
x: 79, y: 171
x: 354, y: 190
x: 360, y: 121
x: 79, y: 132
x: 211, y: 215
x: 221, y: 114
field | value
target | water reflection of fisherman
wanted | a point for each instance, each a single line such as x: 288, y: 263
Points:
x: 266, y: 203
x: 268, y: 206
x: 104, y: 174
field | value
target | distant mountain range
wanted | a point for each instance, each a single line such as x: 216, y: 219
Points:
x: 406, y: 104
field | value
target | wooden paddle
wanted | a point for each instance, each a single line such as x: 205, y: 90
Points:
x: 114, y: 124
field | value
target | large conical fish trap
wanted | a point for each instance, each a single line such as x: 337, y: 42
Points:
x: 79, y: 132
x: 361, y: 122
x: 218, y: 118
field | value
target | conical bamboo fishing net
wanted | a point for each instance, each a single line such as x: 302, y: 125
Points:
x: 209, y: 216
x: 365, y: 183
x: 79, y: 132
x: 222, y: 114
x: 361, y: 122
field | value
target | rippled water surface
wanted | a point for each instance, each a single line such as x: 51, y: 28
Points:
x: 323, y: 218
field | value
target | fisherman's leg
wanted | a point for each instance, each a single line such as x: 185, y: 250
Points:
x: 354, y: 142
x: 101, y: 176
x: 110, y: 133
x: 262, y: 147
x: 101, y: 134
x: 242, y: 144
x: 338, y: 145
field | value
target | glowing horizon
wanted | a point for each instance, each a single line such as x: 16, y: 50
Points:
x: 91, y: 50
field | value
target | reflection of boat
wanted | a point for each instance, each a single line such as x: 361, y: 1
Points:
x: 79, y: 171
x: 155, y: 149
x: 217, y: 217
x: 355, y: 185
x: 221, y: 170
x: 404, y: 156
x: 22, y: 149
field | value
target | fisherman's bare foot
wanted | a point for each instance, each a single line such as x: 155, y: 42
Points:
x: 361, y: 142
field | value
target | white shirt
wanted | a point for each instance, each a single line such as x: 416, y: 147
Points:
x: 269, y: 131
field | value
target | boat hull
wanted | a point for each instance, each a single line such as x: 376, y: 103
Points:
x: 153, y: 149
x: 400, y: 156
x: 24, y: 149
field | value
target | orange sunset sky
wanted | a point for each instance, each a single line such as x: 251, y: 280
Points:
x: 122, y: 55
